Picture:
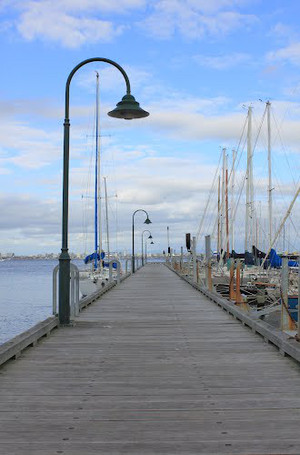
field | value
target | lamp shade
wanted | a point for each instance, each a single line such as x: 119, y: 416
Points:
x: 147, y: 221
x: 150, y: 236
x: 128, y: 108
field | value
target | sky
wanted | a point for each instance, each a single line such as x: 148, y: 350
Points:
x: 195, y: 65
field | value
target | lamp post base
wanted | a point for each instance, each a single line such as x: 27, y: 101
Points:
x: 64, y: 288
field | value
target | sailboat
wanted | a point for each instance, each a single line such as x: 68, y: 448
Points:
x: 95, y: 278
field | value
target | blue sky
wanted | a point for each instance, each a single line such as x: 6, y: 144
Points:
x: 194, y: 65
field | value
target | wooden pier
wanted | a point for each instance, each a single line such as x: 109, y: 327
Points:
x: 153, y: 367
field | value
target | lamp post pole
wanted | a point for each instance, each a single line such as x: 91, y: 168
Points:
x: 147, y: 221
x: 151, y: 243
x: 128, y: 108
x: 150, y: 237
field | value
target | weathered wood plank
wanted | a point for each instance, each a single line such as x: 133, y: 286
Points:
x: 153, y: 367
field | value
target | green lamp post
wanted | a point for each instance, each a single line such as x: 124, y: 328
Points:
x: 150, y: 237
x: 128, y: 108
x: 147, y: 221
x: 151, y: 243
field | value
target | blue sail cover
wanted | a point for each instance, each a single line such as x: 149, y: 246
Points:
x: 114, y: 264
x: 91, y: 257
x: 276, y: 261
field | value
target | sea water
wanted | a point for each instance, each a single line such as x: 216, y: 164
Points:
x: 25, y: 294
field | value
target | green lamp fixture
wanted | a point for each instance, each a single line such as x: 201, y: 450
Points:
x: 128, y: 108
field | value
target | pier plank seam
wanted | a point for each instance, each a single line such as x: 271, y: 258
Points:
x: 151, y: 368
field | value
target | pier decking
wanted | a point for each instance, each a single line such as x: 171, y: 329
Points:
x: 153, y: 367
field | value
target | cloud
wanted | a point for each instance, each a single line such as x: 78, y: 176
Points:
x: 71, y: 23
x: 290, y: 54
x: 282, y: 32
x: 195, y: 19
x: 221, y: 62
x: 50, y: 23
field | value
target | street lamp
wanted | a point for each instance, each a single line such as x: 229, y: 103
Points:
x: 151, y: 243
x: 128, y: 108
x: 147, y: 221
x: 150, y: 237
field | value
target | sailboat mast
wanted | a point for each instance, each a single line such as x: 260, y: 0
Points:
x: 106, y: 215
x: 222, y: 218
x: 97, y: 164
x: 226, y: 213
x: 268, y: 107
x: 219, y: 215
x: 232, y: 198
x: 248, y: 178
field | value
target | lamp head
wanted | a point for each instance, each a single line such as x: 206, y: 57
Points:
x: 150, y: 236
x: 151, y: 243
x: 128, y: 108
x: 147, y: 221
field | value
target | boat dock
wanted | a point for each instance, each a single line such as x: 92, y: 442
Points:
x: 152, y: 367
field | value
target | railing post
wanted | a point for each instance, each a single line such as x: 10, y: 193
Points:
x: 238, y: 296
x: 232, y: 294
x: 74, y: 291
x: 284, y: 293
x: 208, y: 262
x: 286, y: 322
x: 54, y: 289
x: 194, y: 259
x: 181, y: 258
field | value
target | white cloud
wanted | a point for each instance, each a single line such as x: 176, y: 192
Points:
x: 50, y: 23
x: 74, y: 23
x: 221, y: 62
x: 71, y: 23
x: 196, y: 19
x: 289, y: 54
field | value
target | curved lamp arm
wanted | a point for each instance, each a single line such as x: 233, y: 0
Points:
x: 141, y: 210
x: 89, y: 60
x: 146, y: 230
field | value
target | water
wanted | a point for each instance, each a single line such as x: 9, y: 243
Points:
x: 25, y: 295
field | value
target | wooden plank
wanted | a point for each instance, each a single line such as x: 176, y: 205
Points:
x: 154, y: 367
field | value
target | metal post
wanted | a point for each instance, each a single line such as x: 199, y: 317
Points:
x: 194, y: 259
x: 147, y: 221
x: 232, y: 295
x: 64, y: 258
x: 238, y: 297
x: 168, y: 240
x: 142, y: 249
x: 181, y: 258
x: 284, y: 294
x: 132, y: 255
x: 208, y: 262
